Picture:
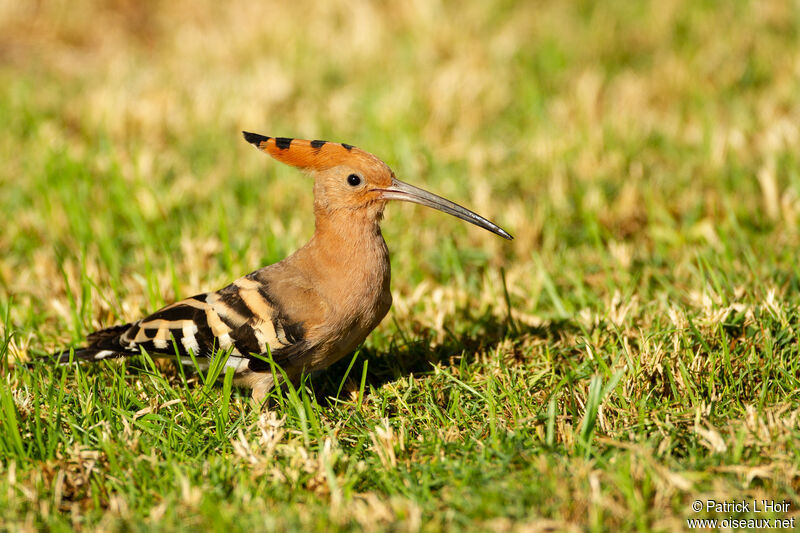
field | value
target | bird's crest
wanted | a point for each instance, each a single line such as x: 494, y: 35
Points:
x: 310, y: 155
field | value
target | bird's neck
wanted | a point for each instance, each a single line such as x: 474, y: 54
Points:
x: 349, y: 253
x: 349, y: 237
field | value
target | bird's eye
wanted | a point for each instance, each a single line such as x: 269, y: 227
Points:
x: 354, y: 180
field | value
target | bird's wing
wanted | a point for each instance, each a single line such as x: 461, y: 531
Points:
x: 242, y: 318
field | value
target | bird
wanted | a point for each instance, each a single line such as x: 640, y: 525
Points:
x: 305, y: 312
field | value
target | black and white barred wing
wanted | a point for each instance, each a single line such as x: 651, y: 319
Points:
x: 241, y: 319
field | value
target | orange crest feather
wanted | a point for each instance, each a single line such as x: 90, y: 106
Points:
x: 308, y: 155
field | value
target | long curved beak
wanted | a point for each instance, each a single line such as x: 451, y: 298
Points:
x: 399, y: 190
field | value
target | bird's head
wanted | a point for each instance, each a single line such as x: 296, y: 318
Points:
x: 348, y: 178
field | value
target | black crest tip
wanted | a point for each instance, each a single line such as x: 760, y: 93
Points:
x: 283, y: 142
x: 254, y: 138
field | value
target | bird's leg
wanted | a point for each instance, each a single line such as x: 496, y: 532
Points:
x: 262, y: 384
x: 259, y: 382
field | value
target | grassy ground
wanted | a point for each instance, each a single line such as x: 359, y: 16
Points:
x: 633, y: 350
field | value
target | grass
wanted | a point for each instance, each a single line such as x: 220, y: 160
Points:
x: 633, y: 350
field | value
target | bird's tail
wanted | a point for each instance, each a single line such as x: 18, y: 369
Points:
x: 87, y: 354
x: 103, y: 344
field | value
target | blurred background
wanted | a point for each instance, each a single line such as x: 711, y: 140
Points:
x: 634, y: 349
x: 630, y: 147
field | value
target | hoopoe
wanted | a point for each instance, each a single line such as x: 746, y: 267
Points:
x: 306, y: 311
